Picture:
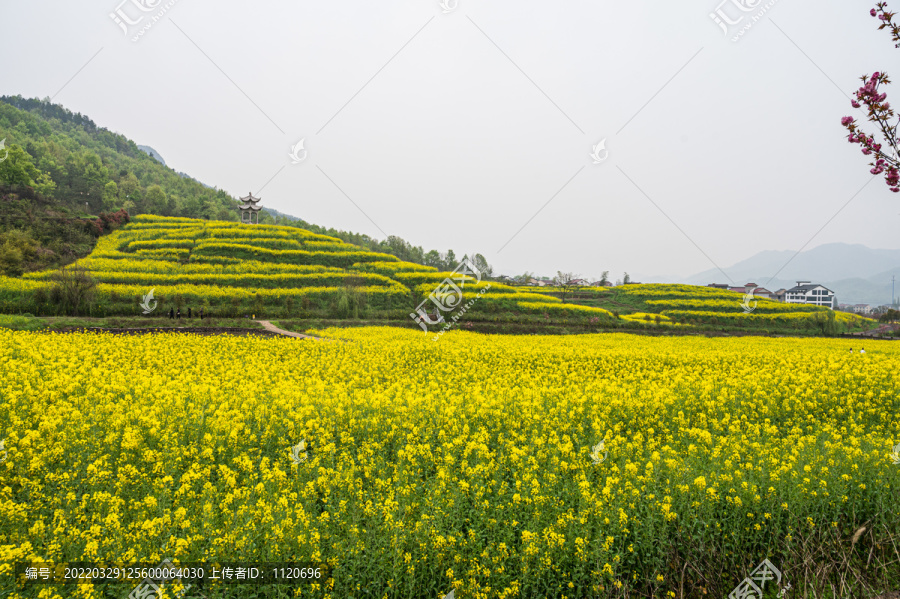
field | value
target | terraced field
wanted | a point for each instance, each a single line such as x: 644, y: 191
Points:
x: 228, y: 269
x: 694, y: 305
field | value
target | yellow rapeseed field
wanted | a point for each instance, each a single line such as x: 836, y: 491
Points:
x: 473, y: 463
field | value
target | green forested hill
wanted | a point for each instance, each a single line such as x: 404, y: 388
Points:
x: 68, y: 158
x: 59, y: 170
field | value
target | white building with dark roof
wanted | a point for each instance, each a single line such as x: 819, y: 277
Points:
x: 806, y: 292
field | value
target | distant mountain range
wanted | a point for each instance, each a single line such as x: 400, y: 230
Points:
x: 153, y: 153
x: 158, y: 157
x: 281, y: 215
x: 856, y: 273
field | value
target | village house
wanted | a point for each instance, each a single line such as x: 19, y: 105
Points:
x: 757, y: 290
x: 806, y: 292
x: 862, y: 309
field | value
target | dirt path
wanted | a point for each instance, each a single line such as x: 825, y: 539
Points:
x: 882, y: 332
x: 273, y: 329
x: 193, y: 330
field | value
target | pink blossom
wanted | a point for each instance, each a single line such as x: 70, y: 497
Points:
x: 879, y: 110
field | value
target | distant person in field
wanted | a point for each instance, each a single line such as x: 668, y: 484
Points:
x: 189, y: 313
x: 171, y: 312
x: 178, y: 314
x: 201, y: 313
x: 862, y: 351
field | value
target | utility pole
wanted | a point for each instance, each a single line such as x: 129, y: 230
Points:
x: 892, y: 290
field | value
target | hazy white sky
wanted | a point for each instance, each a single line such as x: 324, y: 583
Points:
x: 454, y: 129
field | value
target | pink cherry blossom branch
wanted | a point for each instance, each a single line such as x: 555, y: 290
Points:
x: 886, y: 19
x: 879, y: 112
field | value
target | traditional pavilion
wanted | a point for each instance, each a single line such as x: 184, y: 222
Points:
x: 249, y: 206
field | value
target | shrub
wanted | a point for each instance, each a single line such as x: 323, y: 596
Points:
x: 348, y: 302
x: 890, y: 316
x: 10, y: 260
x: 39, y: 297
x: 73, y: 290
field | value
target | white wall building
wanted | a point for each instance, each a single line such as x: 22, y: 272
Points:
x: 863, y: 309
x: 809, y: 293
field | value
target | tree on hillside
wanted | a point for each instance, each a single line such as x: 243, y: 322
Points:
x: 192, y: 206
x: 626, y: 279
x: 486, y: 269
x: 433, y: 258
x: 402, y: 249
x: 481, y: 263
x: 604, y: 278
x: 885, y: 160
x: 110, y: 195
x: 18, y: 169
x: 566, y: 283
x: 155, y: 200
x: 210, y: 210
x: 450, y: 260
x: 93, y: 175
x: 130, y: 194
